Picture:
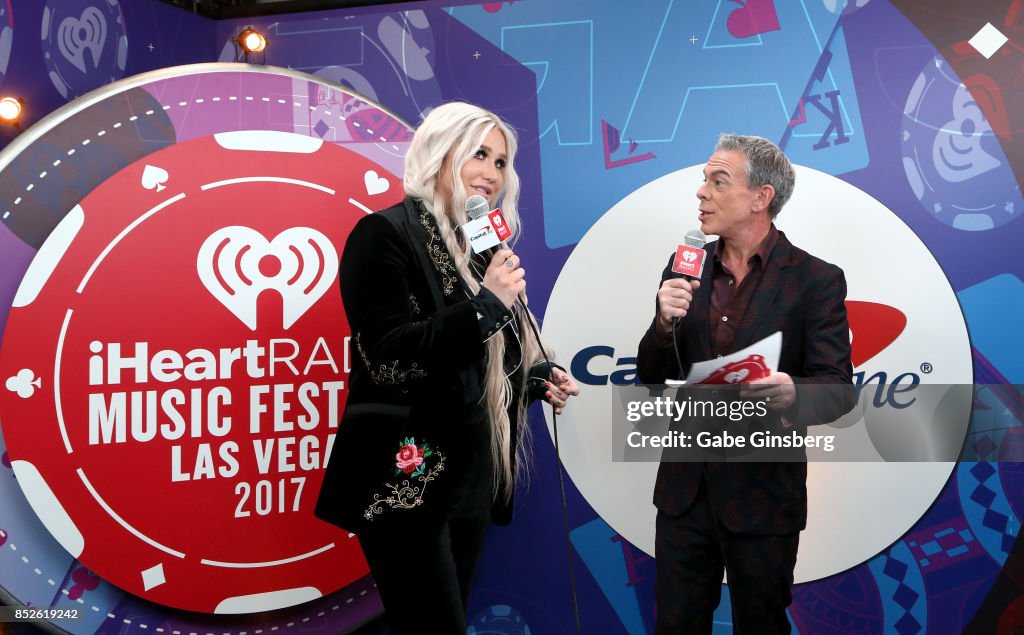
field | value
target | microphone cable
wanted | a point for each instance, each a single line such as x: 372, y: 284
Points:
x: 529, y: 318
x: 561, y: 475
x: 473, y: 208
x: 675, y: 348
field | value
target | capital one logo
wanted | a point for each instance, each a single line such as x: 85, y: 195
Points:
x: 873, y: 327
x: 237, y: 264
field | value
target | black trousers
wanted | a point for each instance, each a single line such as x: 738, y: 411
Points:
x: 424, y: 570
x: 691, y: 552
x: 424, y: 575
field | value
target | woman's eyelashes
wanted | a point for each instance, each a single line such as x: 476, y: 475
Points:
x: 482, y: 155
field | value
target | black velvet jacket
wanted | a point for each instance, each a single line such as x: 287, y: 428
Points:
x: 415, y: 423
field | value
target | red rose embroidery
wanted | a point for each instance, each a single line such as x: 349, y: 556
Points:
x: 409, y: 457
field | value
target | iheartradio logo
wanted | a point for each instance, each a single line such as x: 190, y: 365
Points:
x: 236, y: 264
x: 689, y: 261
x: 741, y: 371
x: 237, y: 409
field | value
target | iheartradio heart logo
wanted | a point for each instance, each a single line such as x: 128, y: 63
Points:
x: 235, y: 262
x: 75, y: 36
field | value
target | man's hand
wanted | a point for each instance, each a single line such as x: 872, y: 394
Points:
x: 674, y: 299
x: 777, y: 391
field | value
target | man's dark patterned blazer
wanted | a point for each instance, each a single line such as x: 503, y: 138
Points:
x: 804, y: 298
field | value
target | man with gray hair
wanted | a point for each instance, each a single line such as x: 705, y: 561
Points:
x: 744, y: 518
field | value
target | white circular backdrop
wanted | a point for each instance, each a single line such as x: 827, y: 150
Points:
x: 605, y: 296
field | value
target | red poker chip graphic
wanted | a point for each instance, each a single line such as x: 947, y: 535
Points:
x: 175, y: 364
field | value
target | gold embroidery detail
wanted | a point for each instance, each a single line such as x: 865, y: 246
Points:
x: 404, y: 495
x: 437, y: 252
x: 385, y: 374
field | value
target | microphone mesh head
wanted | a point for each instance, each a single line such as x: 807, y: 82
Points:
x: 695, y: 238
x: 476, y: 206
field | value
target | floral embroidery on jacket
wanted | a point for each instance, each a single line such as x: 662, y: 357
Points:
x: 414, y: 305
x: 439, y: 254
x: 411, y: 461
x: 388, y: 374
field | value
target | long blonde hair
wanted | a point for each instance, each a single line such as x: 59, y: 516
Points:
x: 458, y: 129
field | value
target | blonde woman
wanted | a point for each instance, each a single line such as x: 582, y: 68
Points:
x: 434, y: 436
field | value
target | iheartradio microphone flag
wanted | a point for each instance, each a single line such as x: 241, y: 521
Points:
x: 487, y: 231
x: 689, y: 261
x: 499, y: 225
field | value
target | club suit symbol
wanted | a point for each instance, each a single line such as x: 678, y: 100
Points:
x: 229, y: 265
x: 84, y: 580
x: 752, y: 18
x: 24, y: 383
x: 75, y: 36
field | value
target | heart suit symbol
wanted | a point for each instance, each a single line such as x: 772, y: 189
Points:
x: 375, y: 184
x: 752, y: 18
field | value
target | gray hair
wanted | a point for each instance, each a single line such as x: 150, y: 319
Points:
x: 766, y: 165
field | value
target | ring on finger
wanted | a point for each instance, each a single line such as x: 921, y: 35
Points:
x: 510, y: 263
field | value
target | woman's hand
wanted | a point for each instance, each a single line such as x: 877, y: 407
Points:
x: 504, y: 277
x: 559, y: 388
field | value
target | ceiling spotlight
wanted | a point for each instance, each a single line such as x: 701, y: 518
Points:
x: 11, y: 109
x: 250, y: 41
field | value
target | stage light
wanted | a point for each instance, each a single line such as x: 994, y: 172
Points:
x: 11, y: 109
x: 250, y: 41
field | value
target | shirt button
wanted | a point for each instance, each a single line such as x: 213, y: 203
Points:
x: 497, y: 325
x: 725, y: 318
